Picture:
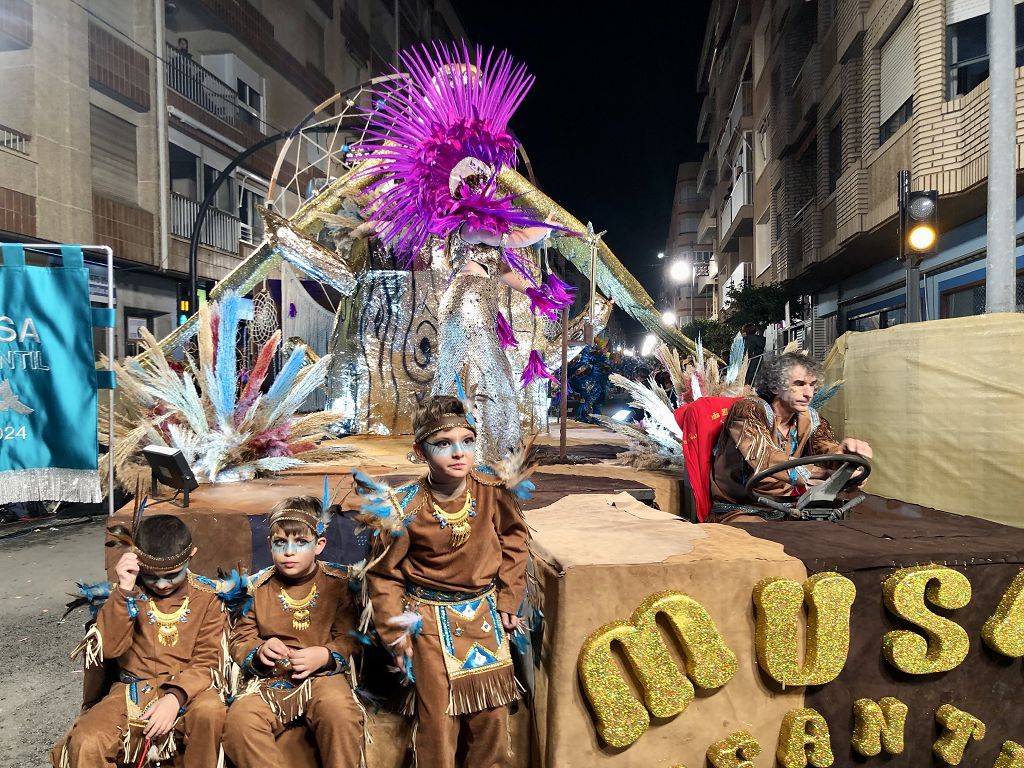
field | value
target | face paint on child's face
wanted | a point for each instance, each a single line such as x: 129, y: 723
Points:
x: 295, y: 555
x: 163, y: 584
x: 449, y: 448
x: 450, y: 453
x: 291, y: 545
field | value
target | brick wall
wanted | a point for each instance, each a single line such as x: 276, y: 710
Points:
x: 117, y: 69
x: 125, y: 228
x: 17, y: 212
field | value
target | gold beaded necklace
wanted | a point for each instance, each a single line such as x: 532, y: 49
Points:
x: 167, y: 623
x: 299, y: 609
x: 457, y: 521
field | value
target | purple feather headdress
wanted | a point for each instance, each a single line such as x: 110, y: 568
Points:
x: 452, y: 104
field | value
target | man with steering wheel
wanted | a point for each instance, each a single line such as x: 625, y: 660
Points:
x: 762, y: 463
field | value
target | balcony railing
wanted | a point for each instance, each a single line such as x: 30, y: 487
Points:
x: 203, y: 88
x: 707, y: 227
x: 220, y: 230
x: 708, y: 173
x: 15, y: 140
x: 742, y: 105
x: 741, y: 195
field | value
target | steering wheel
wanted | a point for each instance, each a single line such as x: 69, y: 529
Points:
x: 819, y: 501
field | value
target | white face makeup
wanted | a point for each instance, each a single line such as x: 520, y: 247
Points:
x: 447, y: 448
x: 291, y: 545
x: 164, y: 583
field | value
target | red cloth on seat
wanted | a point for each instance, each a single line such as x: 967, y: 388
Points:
x: 701, y: 422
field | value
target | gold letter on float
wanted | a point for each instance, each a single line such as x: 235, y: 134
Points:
x: 960, y: 728
x: 878, y: 725
x: 1004, y: 630
x: 737, y: 750
x: 779, y: 603
x: 804, y: 740
x: 905, y: 592
x: 1010, y: 756
x: 621, y: 718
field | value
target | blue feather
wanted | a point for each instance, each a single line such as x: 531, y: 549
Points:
x: 462, y: 396
x: 327, y: 494
x: 736, y: 354
x: 523, y: 490
x: 410, y: 678
x: 822, y: 396
x: 286, y: 377
x: 227, y: 372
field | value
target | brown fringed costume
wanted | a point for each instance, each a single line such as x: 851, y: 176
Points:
x: 462, y: 661
x: 750, y: 442
x: 165, y: 645
x: 315, y: 611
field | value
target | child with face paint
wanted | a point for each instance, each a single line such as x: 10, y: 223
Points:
x: 294, y: 645
x: 447, y: 590
x: 164, y: 627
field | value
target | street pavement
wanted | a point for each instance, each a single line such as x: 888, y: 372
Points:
x: 40, y: 688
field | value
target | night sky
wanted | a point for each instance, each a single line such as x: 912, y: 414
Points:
x: 613, y: 111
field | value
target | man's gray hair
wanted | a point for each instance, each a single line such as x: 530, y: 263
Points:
x: 773, y: 375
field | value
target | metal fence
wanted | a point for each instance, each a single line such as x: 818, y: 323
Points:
x: 13, y: 139
x: 200, y: 86
x: 220, y: 230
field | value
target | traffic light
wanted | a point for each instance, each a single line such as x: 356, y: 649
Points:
x: 183, y: 305
x: 919, y: 224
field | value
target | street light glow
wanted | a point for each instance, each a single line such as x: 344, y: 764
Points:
x: 661, y: 254
x: 921, y: 238
x: 679, y: 271
x: 668, y: 317
x: 648, y: 347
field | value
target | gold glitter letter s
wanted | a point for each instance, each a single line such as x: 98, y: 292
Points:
x: 905, y: 592
x: 960, y: 728
x: 804, y: 739
x: 738, y: 750
x: 1004, y: 630
x: 1010, y: 756
x: 621, y: 718
x: 877, y: 725
x: 779, y: 604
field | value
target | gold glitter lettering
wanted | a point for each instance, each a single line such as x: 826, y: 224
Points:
x: 879, y: 725
x: 1011, y: 755
x: 906, y: 592
x: 1004, y: 630
x: 737, y: 750
x: 621, y: 718
x: 779, y: 603
x: 960, y: 728
x: 804, y: 740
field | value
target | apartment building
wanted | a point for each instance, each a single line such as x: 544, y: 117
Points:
x: 119, y: 115
x: 811, y: 108
x: 690, y: 294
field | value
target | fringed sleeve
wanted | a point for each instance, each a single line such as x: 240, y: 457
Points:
x: 387, y: 587
x: 749, y: 430
x: 115, y: 622
x: 514, y: 537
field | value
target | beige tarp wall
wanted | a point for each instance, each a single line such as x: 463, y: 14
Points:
x: 942, y: 404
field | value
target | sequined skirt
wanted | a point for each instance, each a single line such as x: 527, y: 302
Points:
x: 469, y: 348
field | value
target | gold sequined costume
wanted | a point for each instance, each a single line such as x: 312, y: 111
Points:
x: 469, y: 348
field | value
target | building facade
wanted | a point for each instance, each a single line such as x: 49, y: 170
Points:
x: 691, y: 296
x: 119, y: 115
x: 811, y: 108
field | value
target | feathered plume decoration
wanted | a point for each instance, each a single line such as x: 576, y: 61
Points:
x: 468, y: 398
x: 515, y: 469
x: 92, y: 595
x: 127, y: 536
x: 380, y: 512
x: 453, y: 104
x: 737, y: 370
x: 825, y: 394
x: 411, y: 624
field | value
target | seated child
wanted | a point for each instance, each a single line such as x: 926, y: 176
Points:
x: 447, y: 592
x: 293, y: 645
x: 164, y: 627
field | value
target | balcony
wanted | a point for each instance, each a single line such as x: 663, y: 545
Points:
x: 220, y: 230
x: 737, y: 213
x: 207, y: 91
x: 708, y: 227
x: 806, y: 95
x: 14, y: 140
x: 709, y: 280
x: 742, y: 106
x: 704, y: 118
x: 707, y: 175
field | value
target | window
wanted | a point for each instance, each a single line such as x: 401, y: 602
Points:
x: 114, y: 157
x: 873, y: 321
x: 763, y: 243
x: 967, y: 45
x: 970, y: 299
x: 248, y: 215
x: 184, y: 172
x: 688, y: 224
x: 896, y: 102
x: 250, y: 102
x: 760, y: 47
x: 835, y: 151
x: 223, y: 199
x: 315, y: 43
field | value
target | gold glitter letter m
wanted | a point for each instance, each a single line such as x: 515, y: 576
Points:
x: 621, y: 718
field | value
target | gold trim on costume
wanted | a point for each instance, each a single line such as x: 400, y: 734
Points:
x: 299, y: 609
x: 167, y: 623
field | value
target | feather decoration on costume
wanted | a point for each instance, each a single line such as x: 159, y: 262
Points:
x: 411, y: 624
x: 550, y: 298
x: 506, y: 335
x: 535, y: 369
x: 699, y: 358
x: 232, y: 307
x: 258, y: 374
x: 515, y: 469
x: 92, y: 595
x: 379, y: 512
x: 825, y: 394
x: 287, y: 375
x: 453, y: 104
x: 468, y: 398
x: 737, y: 369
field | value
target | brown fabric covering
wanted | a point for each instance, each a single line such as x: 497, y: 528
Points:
x: 332, y: 715
x: 883, y: 536
x: 95, y: 738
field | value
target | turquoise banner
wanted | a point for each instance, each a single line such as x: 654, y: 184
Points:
x: 48, y: 432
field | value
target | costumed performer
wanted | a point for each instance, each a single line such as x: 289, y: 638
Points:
x: 778, y: 425
x: 293, y: 644
x: 164, y: 627
x: 446, y: 589
x: 437, y: 141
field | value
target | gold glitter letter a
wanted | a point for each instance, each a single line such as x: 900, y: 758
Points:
x: 779, y: 604
x: 905, y: 593
x: 1004, y: 630
x: 621, y: 718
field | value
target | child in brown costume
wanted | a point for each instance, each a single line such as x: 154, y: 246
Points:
x: 447, y: 591
x: 293, y: 645
x: 164, y: 626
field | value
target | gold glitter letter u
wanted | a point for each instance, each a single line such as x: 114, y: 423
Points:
x: 779, y: 603
x: 621, y: 718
